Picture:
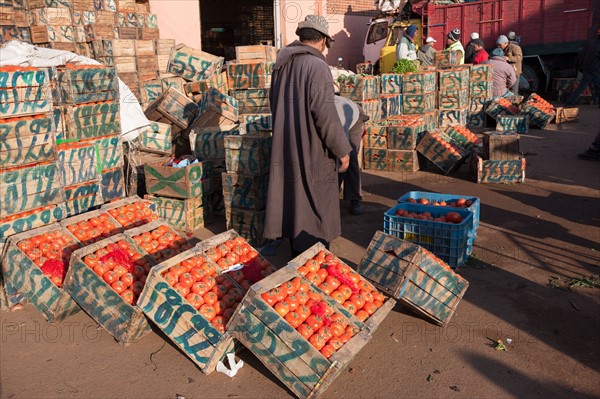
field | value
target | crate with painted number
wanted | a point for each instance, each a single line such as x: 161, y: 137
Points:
x: 335, y: 278
x: 78, y: 162
x: 497, y: 171
x: 462, y: 136
x: 24, y: 92
x: 449, y: 100
x: 419, y: 82
x: 454, y: 79
x: 82, y: 197
x: 469, y: 203
x: 245, y: 191
x: 194, y: 64
x: 160, y: 240
x: 442, y: 151
x: 391, y: 83
x: 175, y: 107
x: 105, y: 279
x: 373, y: 109
x: 539, y: 111
x: 443, y: 231
x: 112, y: 184
x: 33, y: 266
x: 26, y: 140
x: 208, y: 143
x: 512, y: 123
x: 482, y: 73
x: 360, y: 87
x: 446, y: 58
x: 249, y: 74
x: 183, y: 214
x: 305, y: 363
x: 30, y: 187
x: 414, y: 276
x: 89, y: 121
x: 88, y: 84
x: 452, y: 117
x: 419, y: 103
x: 248, y: 223
x: 131, y: 212
x: 391, y: 105
x: 157, y: 138
x: 248, y: 154
x: 187, y: 182
x: 256, y: 122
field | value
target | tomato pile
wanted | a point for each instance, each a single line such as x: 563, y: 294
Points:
x: 450, y: 217
x: 510, y: 107
x: 215, y: 297
x: 541, y: 104
x: 16, y: 216
x: 162, y: 243
x: 122, y: 267
x: 94, y: 229
x: 467, y: 133
x: 407, y: 120
x: 312, y: 317
x: 133, y: 215
x: 51, y: 252
x: 451, y: 147
x: 459, y: 203
x: 238, y: 251
x: 345, y: 286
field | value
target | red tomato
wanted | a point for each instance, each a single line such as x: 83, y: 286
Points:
x: 302, y: 297
x: 294, y: 319
x: 303, y: 270
x: 282, y: 308
x: 370, y: 308
x: 317, y: 341
x: 279, y: 294
x: 110, y: 277
x: 314, y: 321
x: 210, y: 298
x: 118, y: 286
x: 128, y: 279
x: 198, y: 273
x: 326, y: 288
x: 305, y: 330
x: 362, y: 315
x: 333, y: 282
x: 128, y: 296
x: 269, y: 298
x: 183, y: 289
x: 100, y: 269
x: 345, y: 337
x: 187, y: 279
x: 220, y: 307
x: 358, y: 300
x: 350, y: 307
x: 200, y: 288
x: 209, y: 281
x: 219, y: 322
x: 336, y: 343
x: 347, y: 291
x: 337, y: 328
x: 120, y: 270
x: 170, y: 278
x: 178, y: 270
x: 327, y: 351
x: 337, y: 296
x: 195, y: 300
x: 207, y: 311
x: 325, y: 332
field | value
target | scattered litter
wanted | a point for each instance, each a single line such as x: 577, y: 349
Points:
x: 585, y: 282
x: 393, y: 336
x: 178, y: 396
x: 154, y: 353
x: 16, y: 307
x: 500, y: 346
x: 455, y: 388
x: 191, y: 380
x: 577, y: 308
x: 429, y: 378
x: 508, y: 341
x: 234, y: 366
x: 351, y: 370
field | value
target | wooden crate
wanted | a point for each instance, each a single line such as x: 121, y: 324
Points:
x: 289, y: 356
x: 256, y: 122
x: 565, y: 115
x: 414, y: 276
x: 89, y: 121
x: 82, y: 197
x: 191, y: 181
x: 360, y: 88
x: 127, y: 33
x: 50, y: 16
x: 501, y: 146
x: 157, y: 138
x: 24, y: 93
x: 30, y: 187
x: 419, y: 82
x: 364, y: 68
x: 186, y: 327
x: 248, y: 154
x: 252, y: 101
x: 175, y: 82
x: 452, y: 117
x: 35, y: 218
x: 401, y: 137
x: 126, y: 5
x: 27, y: 141
x: 499, y: 106
x: 463, y: 137
x: 161, y: 254
x: 221, y: 104
x: 209, y: 142
x: 391, y: 105
x: 391, y: 83
x: 186, y: 215
x: 249, y: 224
x: 83, y: 17
x: 245, y: 191
x: 151, y: 91
x: 32, y: 4
x: 50, y: 34
x: 78, y: 164
x: 390, y: 160
x: 512, y: 123
x: 448, y: 100
x: 375, y: 141
x: 536, y: 116
x: 112, y: 184
x: 372, y: 108
x: 27, y: 280
x: 99, y: 32
x: 482, y: 73
x: 125, y: 64
x: 118, y: 48
x: 193, y: 64
x: 247, y: 75
x: 174, y: 106
x: 481, y: 89
x: 506, y: 171
x: 418, y: 103
x: 163, y: 64
x: 455, y: 78
x: 88, y: 85
x: 445, y: 58
x: 432, y: 146
x: 164, y: 46
x: 125, y: 322
x: 259, y: 52
x: 148, y: 33
x: 104, y: 17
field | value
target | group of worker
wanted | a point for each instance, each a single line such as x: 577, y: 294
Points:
x: 506, y: 58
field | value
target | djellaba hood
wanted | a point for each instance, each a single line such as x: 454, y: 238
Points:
x: 287, y: 54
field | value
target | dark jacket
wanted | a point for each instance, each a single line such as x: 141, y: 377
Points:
x: 504, y: 76
x: 308, y: 138
x: 514, y: 56
x: 426, y: 54
x: 469, y: 53
x: 589, y: 58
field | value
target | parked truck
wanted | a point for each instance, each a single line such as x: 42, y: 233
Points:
x: 551, y: 32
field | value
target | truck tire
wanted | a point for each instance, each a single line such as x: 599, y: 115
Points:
x: 376, y: 70
x: 533, y: 77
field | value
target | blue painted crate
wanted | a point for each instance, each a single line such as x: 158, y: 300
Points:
x: 446, y: 240
x: 448, y: 198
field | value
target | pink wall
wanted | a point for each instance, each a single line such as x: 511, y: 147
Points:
x: 179, y: 20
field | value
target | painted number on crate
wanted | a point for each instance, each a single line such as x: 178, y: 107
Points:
x: 190, y: 67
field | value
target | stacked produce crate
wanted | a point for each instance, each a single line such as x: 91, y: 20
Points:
x: 453, y: 97
x: 365, y: 90
x: 480, y: 94
x: 391, y: 95
x: 500, y: 160
x: 91, y: 154
x: 447, y: 149
x: 14, y: 21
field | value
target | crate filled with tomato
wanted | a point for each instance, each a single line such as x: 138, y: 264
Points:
x: 441, y: 230
x: 472, y: 204
x: 298, y: 332
x: 93, y: 226
x: 538, y: 111
x: 335, y: 278
x: 414, y: 276
x: 160, y: 240
x: 34, y: 266
x: 131, y: 212
x: 464, y: 137
x: 106, y: 279
x: 501, y: 105
x: 441, y: 150
x: 198, y: 300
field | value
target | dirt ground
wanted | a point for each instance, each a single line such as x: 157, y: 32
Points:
x: 529, y: 233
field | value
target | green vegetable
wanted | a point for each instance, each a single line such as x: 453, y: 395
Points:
x: 405, y: 66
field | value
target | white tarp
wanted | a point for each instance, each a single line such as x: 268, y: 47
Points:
x: 24, y: 54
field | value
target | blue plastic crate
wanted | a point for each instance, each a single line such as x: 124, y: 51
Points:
x: 474, y: 208
x: 447, y: 241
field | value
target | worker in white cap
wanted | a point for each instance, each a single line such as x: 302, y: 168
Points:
x: 514, y: 56
x: 426, y: 53
x: 469, y: 49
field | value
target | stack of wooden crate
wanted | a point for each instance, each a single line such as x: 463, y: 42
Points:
x: 31, y: 185
x: 480, y: 94
x: 453, y: 96
x: 14, y: 22
x: 365, y: 90
x: 245, y: 184
x: 92, y: 153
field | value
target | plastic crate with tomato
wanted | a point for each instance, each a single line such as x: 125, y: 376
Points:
x: 306, y: 342
x: 414, y: 276
x: 106, y: 279
x: 34, y: 267
x: 472, y: 204
x: 443, y: 231
x: 333, y: 277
